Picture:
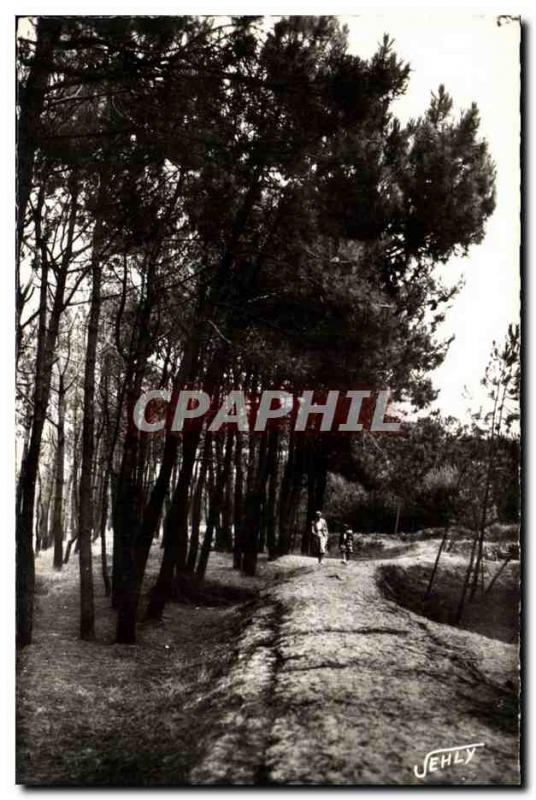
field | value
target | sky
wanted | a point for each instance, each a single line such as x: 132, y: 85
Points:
x: 477, y: 60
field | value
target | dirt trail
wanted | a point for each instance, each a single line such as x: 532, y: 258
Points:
x: 337, y: 684
x: 320, y: 679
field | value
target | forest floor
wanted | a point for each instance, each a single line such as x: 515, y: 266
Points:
x: 307, y: 675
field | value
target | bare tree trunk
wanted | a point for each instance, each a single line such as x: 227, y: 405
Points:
x: 227, y: 507
x: 128, y: 500
x: 220, y: 542
x: 215, y: 507
x: 26, y: 488
x: 45, y: 500
x: 312, y: 505
x: 109, y: 439
x: 487, y: 487
x: 284, y: 496
x: 87, y: 611
x: 74, y: 486
x: 469, y: 570
x: 102, y: 532
x: 197, y: 503
x: 290, y: 492
x: 175, y: 530
x: 38, y: 510
x: 57, y: 513
x: 238, y: 503
x: 501, y: 569
x: 252, y: 510
x: 436, y: 563
x: 133, y: 571
x: 271, y: 516
x: 225, y: 534
x: 397, y: 518
x: 98, y: 473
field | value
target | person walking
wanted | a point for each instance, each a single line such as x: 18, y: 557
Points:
x: 346, y: 544
x: 320, y: 535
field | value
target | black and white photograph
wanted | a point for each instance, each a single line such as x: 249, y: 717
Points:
x: 267, y: 468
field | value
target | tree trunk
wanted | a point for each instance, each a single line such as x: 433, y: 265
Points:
x: 31, y: 99
x: 283, y: 544
x: 436, y: 563
x: 45, y: 501
x: 461, y: 603
x: 87, y: 612
x: 102, y: 523
x: 271, y: 516
x: 252, y: 510
x: 397, y: 518
x: 290, y: 492
x: 225, y: 537
x: 127, y: 513
x: 487, y: 488
x: 213, y: 482
x: 57, y: 513
x: 197, y: 504
x: 238, y: 503
x: 133, y: 571
x: 311, y: 502
x: 215, y: 508
x: 25, y: 579
x: 74, y: 483
x: 501, y: 569
x: 175, y: 530
x: 38, y: 507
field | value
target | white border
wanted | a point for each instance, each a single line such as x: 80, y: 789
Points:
x: 7, y: 200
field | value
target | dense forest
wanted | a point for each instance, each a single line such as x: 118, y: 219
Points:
x: 233, y: 204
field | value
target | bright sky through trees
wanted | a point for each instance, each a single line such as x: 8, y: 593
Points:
x: 477, y: 59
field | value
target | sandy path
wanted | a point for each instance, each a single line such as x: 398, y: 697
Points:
x: 320, y: 680
x: 336, y: 684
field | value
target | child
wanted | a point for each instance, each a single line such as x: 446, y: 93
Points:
x: 346, y: 544
x: 320, y: 535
